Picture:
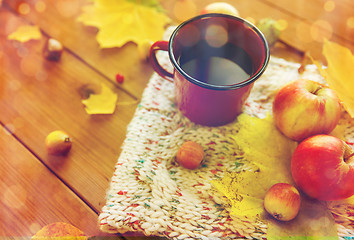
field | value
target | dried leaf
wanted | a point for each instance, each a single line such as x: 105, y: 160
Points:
x: 121, y: 21
x: 339, y: 75
x: 26, y: 33
x: 241, y: 203
x: 314, y: 222
x: 102, y: 103
x: 267, y: 153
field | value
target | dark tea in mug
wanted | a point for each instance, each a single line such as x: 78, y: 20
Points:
x: 225, y: 65
x: 216, y: 58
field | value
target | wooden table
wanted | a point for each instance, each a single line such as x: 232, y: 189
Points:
x: 38, y: 96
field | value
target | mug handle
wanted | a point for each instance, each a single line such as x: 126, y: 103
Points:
x: 159, y: 45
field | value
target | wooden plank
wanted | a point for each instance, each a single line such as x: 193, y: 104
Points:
x: 62, y: 25
x: 59, y: 21
x: 38, y: 96
x: 300, y: 17
x: 300, y: 33
x: 32, y: 196
x: 332, y: 16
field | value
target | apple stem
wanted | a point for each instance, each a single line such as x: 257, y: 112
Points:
x: 305, y: 56
x: 351, y: 155
x: 316, y: 91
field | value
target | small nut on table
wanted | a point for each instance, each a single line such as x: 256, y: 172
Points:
x: 52, y: 50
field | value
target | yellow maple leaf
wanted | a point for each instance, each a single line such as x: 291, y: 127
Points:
x: 339, y: 74
x: 102, y: 103
x: 267, y: 159
x: 25, y: 33
x: 122, y: 21
x: 267, y: 153
x: 242, y: 204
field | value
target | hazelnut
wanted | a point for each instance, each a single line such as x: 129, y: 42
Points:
x: 52, y: 50
x: 190, y: 155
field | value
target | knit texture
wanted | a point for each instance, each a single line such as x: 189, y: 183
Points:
x: 151, y: 194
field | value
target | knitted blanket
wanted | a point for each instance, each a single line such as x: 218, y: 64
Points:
x: 151, y: 194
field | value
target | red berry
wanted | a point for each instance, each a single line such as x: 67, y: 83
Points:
x: 119, y: 78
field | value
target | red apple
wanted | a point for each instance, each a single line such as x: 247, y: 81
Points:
x: 304, y: 108
x: 323, y: 167
x: 220, y: 7
x: 282, y: 201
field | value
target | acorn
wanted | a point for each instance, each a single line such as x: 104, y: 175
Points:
x: 270, y: 29
x: 53, y: 49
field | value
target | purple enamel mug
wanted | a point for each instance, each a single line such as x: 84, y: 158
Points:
x: 216, y: 59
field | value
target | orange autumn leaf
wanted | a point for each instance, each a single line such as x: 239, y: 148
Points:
x: 26, y: 33
x: 122, y: 21
x: 102, y: 103
x: 339, y: 74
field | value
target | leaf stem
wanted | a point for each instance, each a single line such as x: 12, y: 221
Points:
x: 341, y: 215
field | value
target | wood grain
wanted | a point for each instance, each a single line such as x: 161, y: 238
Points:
x: 32, y: 196
x: 38, y: 96
x: 59, y: 20
x: 330, y: 16
x: 307, y: 24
